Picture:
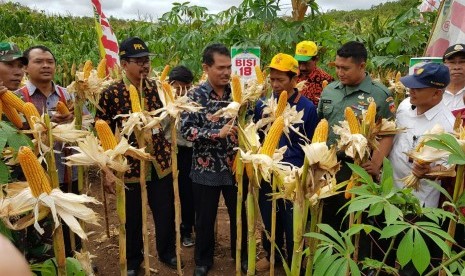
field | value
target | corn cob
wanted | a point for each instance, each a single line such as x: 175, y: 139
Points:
x: 321, y: 132
x: 10, y: 99
x: 168, y: 90
x: 102, y: 69
x: 35, y: 175
x: 164, y: 73
x: 62, y: 108
x: 30, y: 110
x: 259, y: 74
x: 13, y: 116
x: 134, y: 96
x: 273, y: 136
x: 1, y: 109
x: 370, y: 116
x: 324, y: 83
x: 354, y: 125
x: 398, y: 75
x: 104, y: 133
x: 282, y: 103
x: 236, y: 88
x: 350, y: 185
x: 87, y: 68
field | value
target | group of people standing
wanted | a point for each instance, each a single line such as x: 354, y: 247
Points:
x: 206, y: 143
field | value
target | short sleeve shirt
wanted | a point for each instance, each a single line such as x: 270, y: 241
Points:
x: 454, y: 101
x: 336, y: 97
x: 415, y: 127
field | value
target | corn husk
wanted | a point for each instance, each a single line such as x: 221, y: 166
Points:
x: 68, y: 206
x: 291, y: 117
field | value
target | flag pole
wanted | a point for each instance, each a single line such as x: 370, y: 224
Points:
x: 441, y: 6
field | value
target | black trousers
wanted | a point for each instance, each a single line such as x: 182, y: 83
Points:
x: 161, y: 201
x: 206, y: 200
x: 185, y: 190
x: 284, y: 223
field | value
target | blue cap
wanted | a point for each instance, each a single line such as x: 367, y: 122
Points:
x: 429, y: 75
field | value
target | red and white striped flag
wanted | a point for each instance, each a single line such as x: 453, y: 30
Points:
x: 108, y: 43
x: 450, y: 28
x: 429, y: 5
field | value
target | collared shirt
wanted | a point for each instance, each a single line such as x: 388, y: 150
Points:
x: 294, y: 153
x: 336, y: 97
x: 49, y: 103
x: 213, y: 156
x: 416, y: 126
x: 454, y: 101
x: 313, y: 88
x: 114, y: 101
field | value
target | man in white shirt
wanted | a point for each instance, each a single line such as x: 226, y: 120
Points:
x: 454, y: 59
x: 418, y: 114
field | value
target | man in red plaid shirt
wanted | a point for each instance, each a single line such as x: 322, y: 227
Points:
x: 306, y: 54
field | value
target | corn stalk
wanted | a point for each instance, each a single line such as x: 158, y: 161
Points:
x: 143, y: 190
x: 300, y: 213
x: 273, y: 225
x: 78, y: 106
x: 177, y: 202
x: 315, y: 219
x: 58, y: 241
x: 240, y: 194
x: 251, y: 226
x: 121, y: 211
x: 458, y: 190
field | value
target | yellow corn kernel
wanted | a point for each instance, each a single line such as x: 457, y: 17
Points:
x: 87, y: 68
x: 105, y: 135
x: 62, y: 108
x: 282, y: 103
x: 324, y: 83
x: 350, y: 185
x: 354, y: 125
x: 259, y: 74
x: 321, y: 132
x: 102, y: 68
x: 164, y: 73
x: 35, y: 174
x: 168, y: 90
x: 370, y: 116
x: 236, y: 88
x: 273, y: 136
x: 10, y: 99
x: 398, y: 75
x: 135, y: 101
x: 13, y: 116
x: 29, y: 110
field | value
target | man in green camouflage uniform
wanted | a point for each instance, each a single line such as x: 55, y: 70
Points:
x: 355, y: 89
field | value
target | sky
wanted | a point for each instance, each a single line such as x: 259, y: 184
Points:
x: 140, y: 9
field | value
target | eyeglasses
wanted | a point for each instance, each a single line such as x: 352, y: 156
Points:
x: 140, y: 62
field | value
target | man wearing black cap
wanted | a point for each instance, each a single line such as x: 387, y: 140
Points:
x: 417, y: 114
x: 11, y: 66
x: 454, y: 59
x: 135, y: 61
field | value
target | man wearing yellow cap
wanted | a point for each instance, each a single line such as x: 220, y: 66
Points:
x: 283, y: 76
x: 306, y: 53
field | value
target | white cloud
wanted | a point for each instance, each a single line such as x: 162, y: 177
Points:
x: 134, y: 9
